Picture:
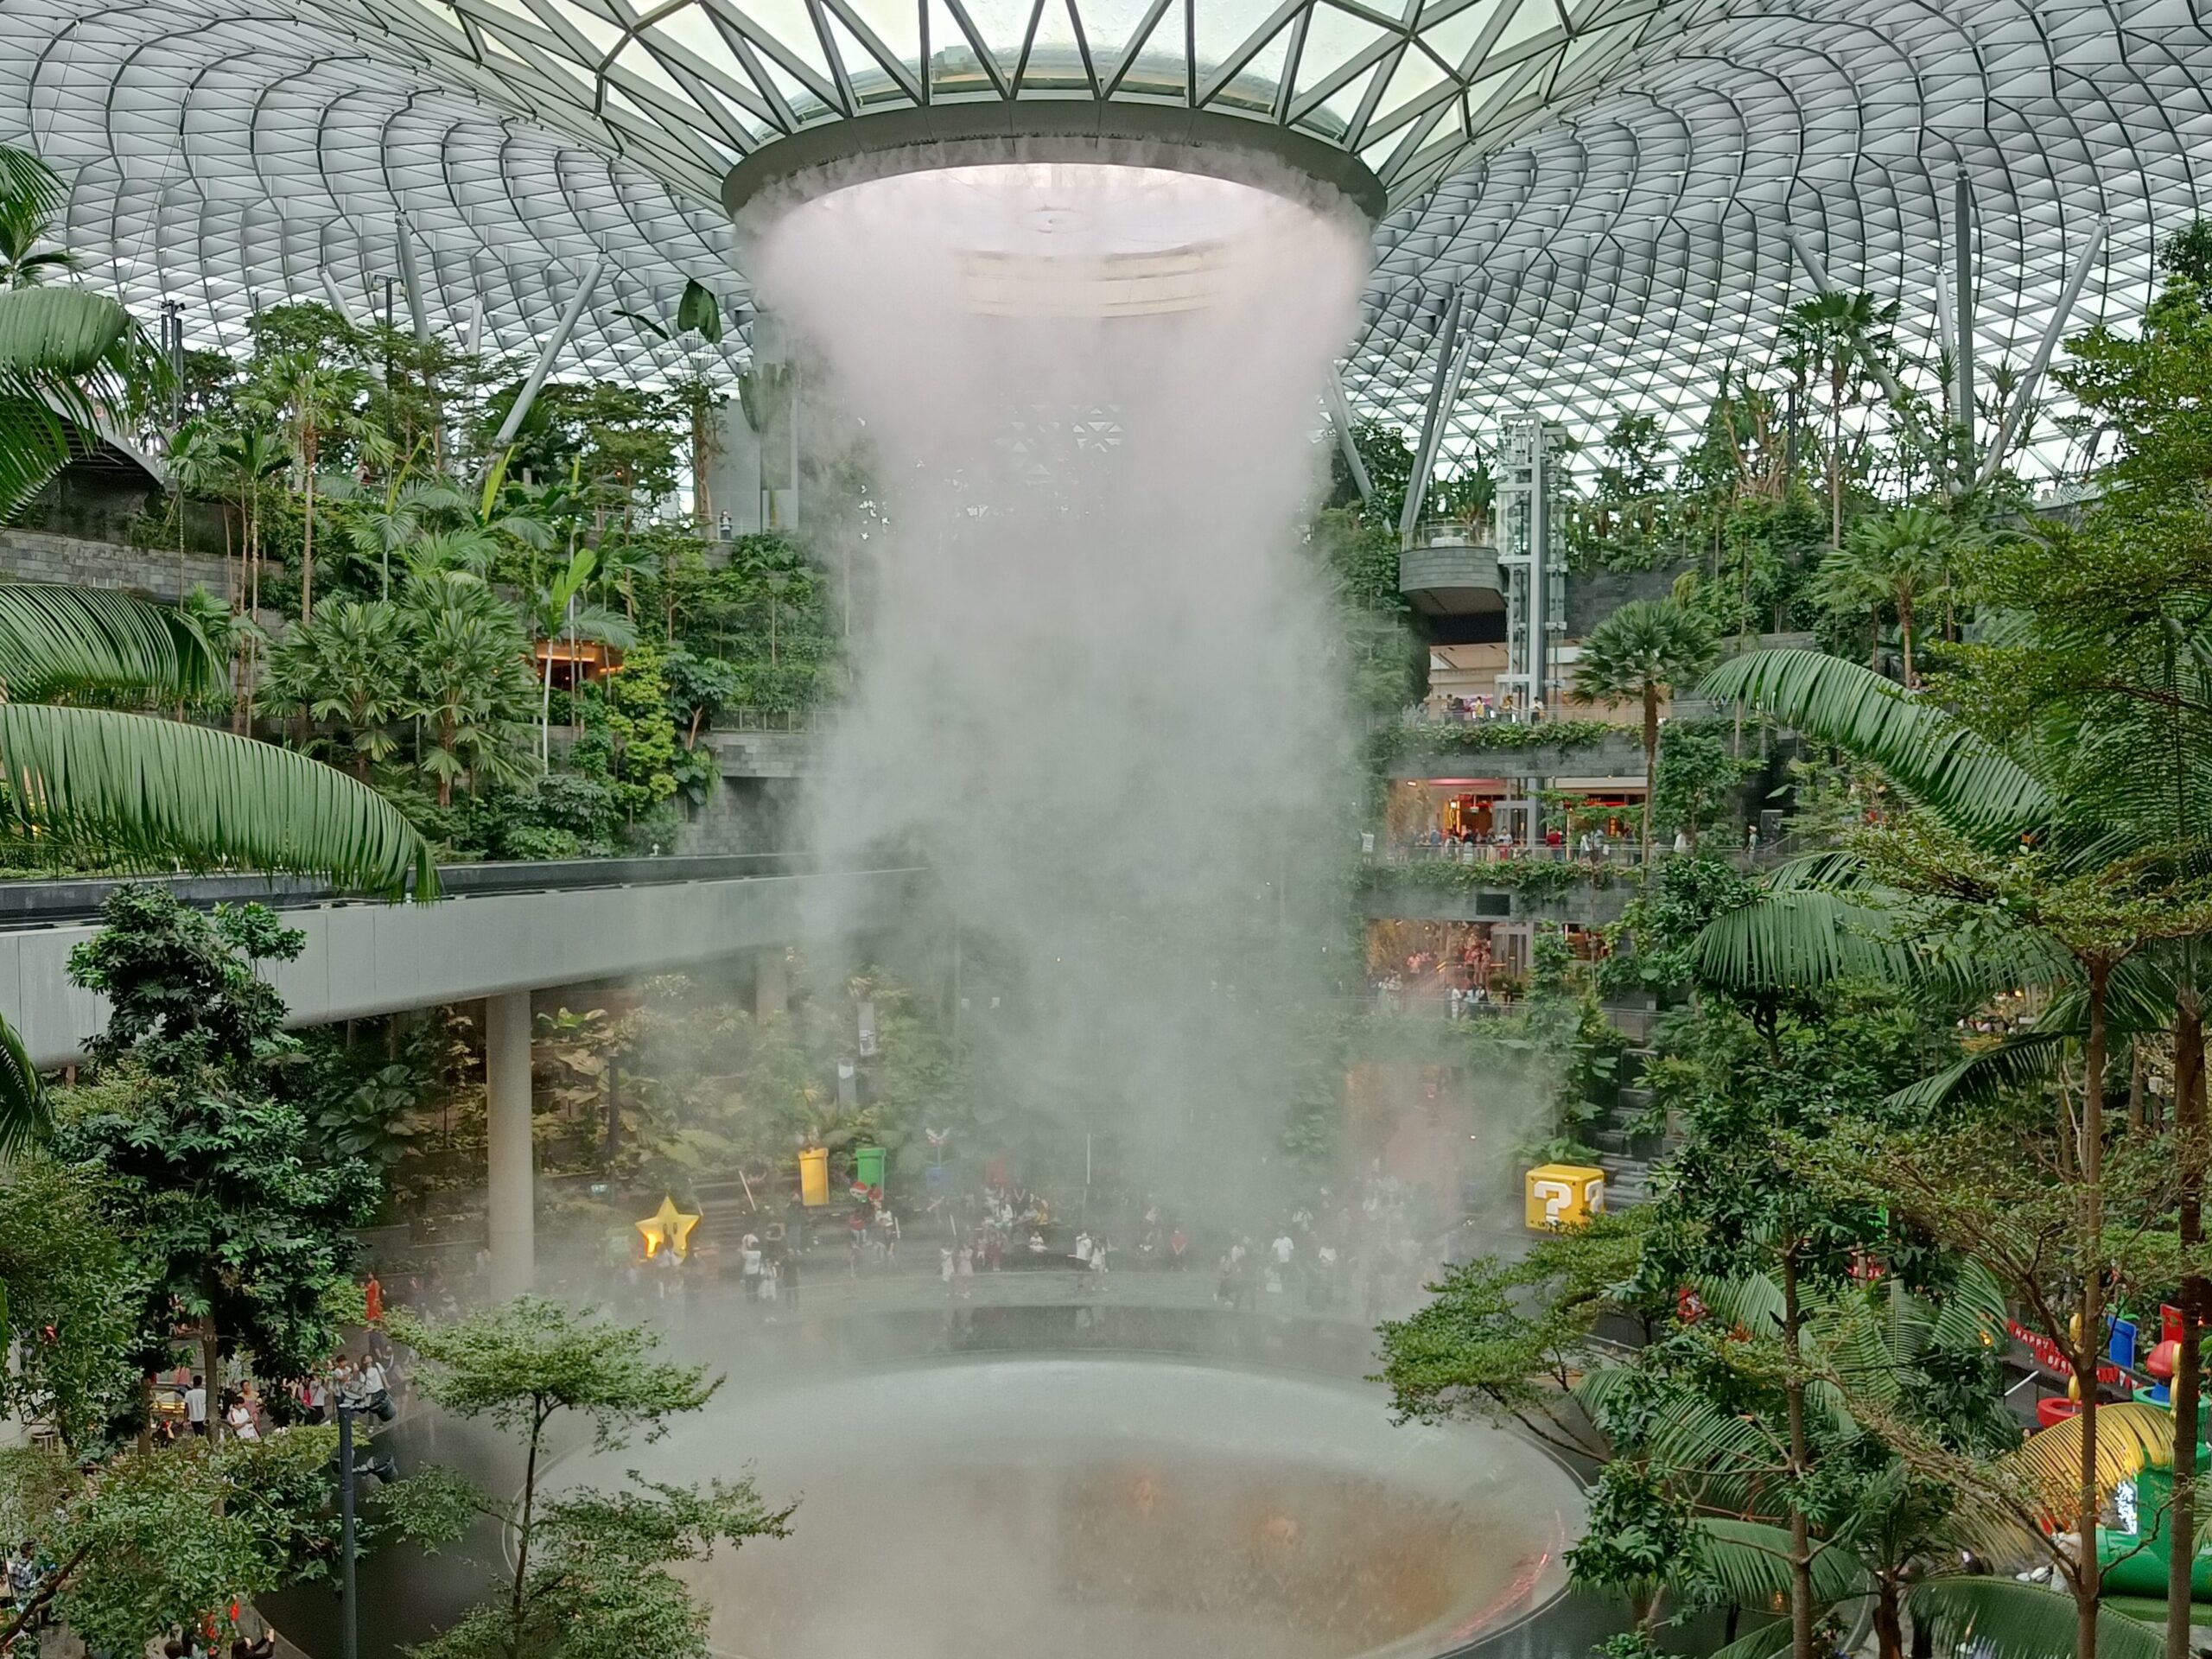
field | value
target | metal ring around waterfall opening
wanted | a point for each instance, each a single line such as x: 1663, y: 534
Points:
x: 1201, y: 142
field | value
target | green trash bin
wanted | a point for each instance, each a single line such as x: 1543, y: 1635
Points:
x: 867, y: 1166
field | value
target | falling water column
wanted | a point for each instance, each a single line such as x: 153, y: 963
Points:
x: 513, y: 1173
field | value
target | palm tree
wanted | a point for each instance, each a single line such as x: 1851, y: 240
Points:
x: 1925, y: 1492
x: 559, y: 611
x: 396, y: 523
x: 1843, y: 333
x: 1891, y: 563
x: 344, y: 667
x: 196, y: 467
x: 251, y: 459
x: 1641, y: 652
x: 317, y: 401
x: 466, y: 653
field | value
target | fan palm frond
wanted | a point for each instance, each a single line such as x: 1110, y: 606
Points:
x: 165, y: 793
x: 1750, y: 1302
x: 63, y: 352
x: 2131, y: 1437
x: 1972, y: 1308
x: 2013, y: 1064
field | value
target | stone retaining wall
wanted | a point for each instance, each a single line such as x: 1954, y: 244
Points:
x: 38, y: 555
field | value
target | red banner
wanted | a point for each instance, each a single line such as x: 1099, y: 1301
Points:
x: 2049, y: 1355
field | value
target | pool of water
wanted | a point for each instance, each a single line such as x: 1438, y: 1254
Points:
x: 1092, y: 1506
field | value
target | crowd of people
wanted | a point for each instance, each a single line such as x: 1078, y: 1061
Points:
x: 1439, y: 709
x: 363, y: 1377
x: 1361, y: 1249
x: 1345, y: 1253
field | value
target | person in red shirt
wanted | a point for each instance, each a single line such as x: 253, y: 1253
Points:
x: 372, y: 1295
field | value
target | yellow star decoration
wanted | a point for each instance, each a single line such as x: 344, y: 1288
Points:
x: 667, y: 1226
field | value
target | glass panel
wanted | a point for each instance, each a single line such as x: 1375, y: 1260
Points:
x: 1162, y: 66
x: 1417, y: 72
x: 603, y: 35
x: 787, y: 22
x: 1223, y: 26
x: 1531, y: 20
x: 1001, y: 24
x: 805, y: 102
x: 1338, y: 109
x: 1110, y: 26
x: 1333, y: 39
x: 897, y: 24
x: 1054, y: 59
x: 695, y: 31
x: 1258, y: 85
x: 646, y: 67
x: 955, y: 70
x: 1455, y: 36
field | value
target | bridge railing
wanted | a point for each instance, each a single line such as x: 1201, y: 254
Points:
x: 74, y: 898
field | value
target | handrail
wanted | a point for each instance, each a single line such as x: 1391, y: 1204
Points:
x: 69, y: 898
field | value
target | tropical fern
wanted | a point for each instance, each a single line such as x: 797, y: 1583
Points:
x: 23, y: 1112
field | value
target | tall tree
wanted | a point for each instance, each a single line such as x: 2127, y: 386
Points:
x: 244, y: 1218
x: 590, y: 1574
x: 1892, y: 564
x: 1843, y: 335
x: 1641, y: 652
x: 2012, y: 866
x: 317, y: 401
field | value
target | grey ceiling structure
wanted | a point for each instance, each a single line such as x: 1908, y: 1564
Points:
x: 1608, y: 183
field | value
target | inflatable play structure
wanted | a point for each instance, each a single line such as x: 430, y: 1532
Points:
x: 2133, y: 1554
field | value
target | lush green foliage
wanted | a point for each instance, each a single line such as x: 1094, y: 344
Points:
x: 235, y: 1212
x: 590, y: 1577
x: 1446, y: 739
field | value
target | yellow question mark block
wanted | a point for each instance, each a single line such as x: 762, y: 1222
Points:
x: 1564, y: 1195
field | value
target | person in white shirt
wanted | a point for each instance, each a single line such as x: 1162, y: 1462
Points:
x: 1284, y: 1250
x: 195, y: 1405
x: 240, y: 1418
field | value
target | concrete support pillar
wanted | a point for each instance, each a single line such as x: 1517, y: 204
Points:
x: 772, y: 983
x: 513, y: 1173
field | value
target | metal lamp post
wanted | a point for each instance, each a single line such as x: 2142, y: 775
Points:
x: 351, y: 1621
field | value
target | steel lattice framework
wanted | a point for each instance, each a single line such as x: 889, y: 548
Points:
x: 1607, y: 182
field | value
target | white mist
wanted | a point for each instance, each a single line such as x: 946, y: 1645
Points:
x: 1094, y: 687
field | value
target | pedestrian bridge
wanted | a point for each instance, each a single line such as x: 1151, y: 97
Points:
x: 499, y: 929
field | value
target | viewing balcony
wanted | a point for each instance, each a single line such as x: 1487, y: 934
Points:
x: 1447, y: 573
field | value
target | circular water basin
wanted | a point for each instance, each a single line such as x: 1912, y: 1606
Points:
x: 1096, y: 1508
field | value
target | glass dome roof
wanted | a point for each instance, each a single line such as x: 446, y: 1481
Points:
x: 1609, y: 181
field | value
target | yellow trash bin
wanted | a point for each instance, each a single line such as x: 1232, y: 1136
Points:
x: 814, y: 1177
